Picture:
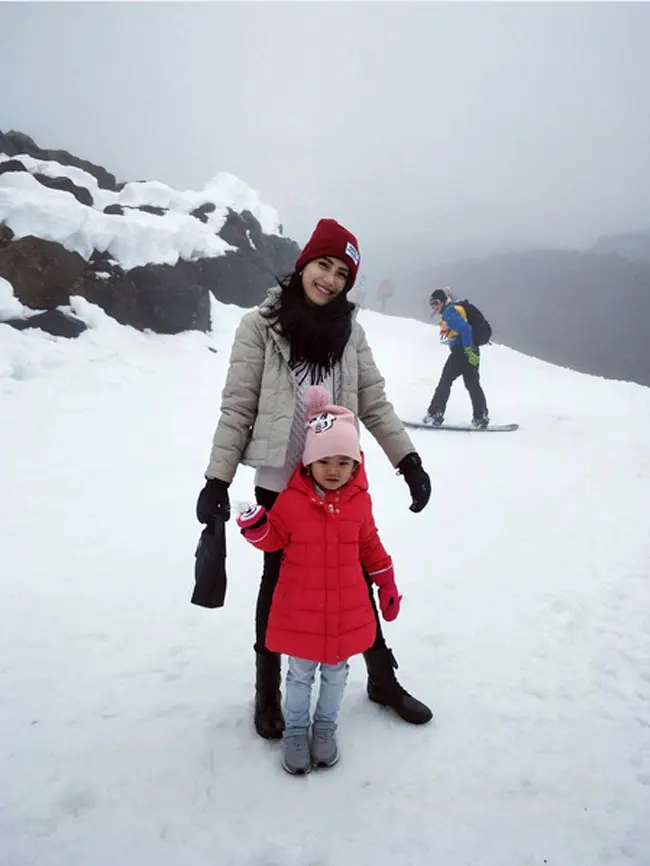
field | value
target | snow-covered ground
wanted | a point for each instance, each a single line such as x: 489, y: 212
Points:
x: 127, y: 736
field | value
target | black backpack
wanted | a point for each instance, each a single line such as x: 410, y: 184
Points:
x: 481, y: 328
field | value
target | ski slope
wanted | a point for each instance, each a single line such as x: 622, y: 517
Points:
x: 127, y: 734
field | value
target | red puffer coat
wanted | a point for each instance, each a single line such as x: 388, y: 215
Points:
x: 321, y: 609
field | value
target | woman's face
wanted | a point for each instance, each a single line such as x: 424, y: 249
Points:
x: 324, y: 279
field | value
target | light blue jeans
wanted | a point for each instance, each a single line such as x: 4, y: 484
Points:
x: 300, y: 678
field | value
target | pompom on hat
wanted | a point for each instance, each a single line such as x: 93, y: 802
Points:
x: 330, y: 238
x: 331, y: 429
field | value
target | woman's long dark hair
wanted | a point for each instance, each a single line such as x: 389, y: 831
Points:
x: 316, y: 335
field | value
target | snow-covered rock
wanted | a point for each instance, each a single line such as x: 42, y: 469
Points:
x: 147, y: 254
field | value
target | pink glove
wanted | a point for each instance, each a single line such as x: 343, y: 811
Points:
x: 389, y: 598
x: 252, y: 523
x: 389, y: 602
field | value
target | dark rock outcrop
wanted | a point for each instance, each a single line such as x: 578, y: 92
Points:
x: 162, y: 298
x: 242, y: 230
x: 54, y: 322
x: 152, y: 208
x: 119, y: 209
x: 64, y: 184
x: 235, y: 278
x: 41, y: 272
x: 242, y: 277
x: 10, y: 165
x: 201, y: 213
x: 13, y: 143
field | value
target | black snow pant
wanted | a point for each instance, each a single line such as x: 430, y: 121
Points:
x: 270, y: 575
x: 458, y: 365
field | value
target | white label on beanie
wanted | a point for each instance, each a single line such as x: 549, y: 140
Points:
x: 323, y: 422
x: 352, y: 252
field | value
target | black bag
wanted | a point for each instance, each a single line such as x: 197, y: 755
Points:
x: 210, y: 567
x: 481, y: 328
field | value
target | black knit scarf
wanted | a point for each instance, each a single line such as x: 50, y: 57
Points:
x: 316, y: 335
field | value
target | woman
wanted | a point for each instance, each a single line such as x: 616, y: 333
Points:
x: 305, y: 333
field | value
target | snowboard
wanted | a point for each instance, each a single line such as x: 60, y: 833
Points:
x: 466, y: 428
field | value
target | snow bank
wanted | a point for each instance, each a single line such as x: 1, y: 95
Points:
x: 134, y: 237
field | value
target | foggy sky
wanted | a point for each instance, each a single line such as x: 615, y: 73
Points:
x: 409, y: 122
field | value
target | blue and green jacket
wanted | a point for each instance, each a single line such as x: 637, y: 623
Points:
x: 454, y: 327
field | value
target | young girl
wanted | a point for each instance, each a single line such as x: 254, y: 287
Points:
x: 305, y: 333
x: 321, y: 612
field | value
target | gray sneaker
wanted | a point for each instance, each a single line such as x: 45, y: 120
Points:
x: 296, y: 759
x: 324, y: 751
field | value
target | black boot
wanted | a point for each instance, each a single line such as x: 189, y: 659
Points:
x: 269, y: 722
x: 383, y: 688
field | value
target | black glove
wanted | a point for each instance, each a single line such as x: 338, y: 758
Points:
x: 417, y: 479
x: 213, y: 502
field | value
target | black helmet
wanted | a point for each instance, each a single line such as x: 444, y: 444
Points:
x: 438, y: 295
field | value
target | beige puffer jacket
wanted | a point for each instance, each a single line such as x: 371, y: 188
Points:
x: 258, y: 399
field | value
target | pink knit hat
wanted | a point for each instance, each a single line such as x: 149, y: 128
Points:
x: 331, y: 430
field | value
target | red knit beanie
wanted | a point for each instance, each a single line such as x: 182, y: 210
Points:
x: 332, y: 239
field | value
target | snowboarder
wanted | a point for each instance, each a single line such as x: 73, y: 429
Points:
x: 463, y: 360
x: 305, y: 333
x: 321, y: 612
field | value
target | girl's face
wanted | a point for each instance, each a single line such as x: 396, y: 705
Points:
x: 330, y: 473
x: 324, y: 279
